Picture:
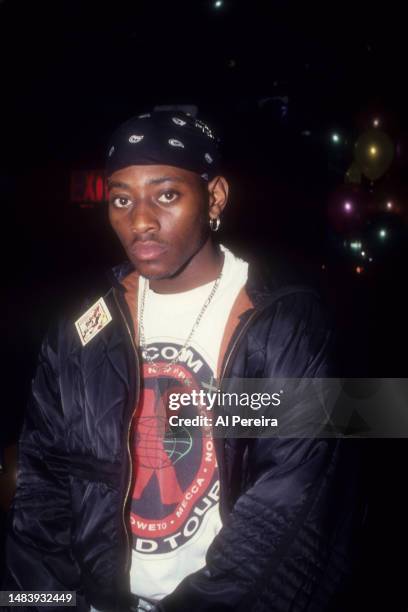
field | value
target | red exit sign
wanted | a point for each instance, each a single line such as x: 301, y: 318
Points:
x: 88, y: 188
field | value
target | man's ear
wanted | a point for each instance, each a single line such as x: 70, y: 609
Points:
x: 218, y: 190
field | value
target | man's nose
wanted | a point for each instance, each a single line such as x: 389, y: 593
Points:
x: 143, y: 218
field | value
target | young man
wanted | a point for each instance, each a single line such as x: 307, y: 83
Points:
x: 131, y: 513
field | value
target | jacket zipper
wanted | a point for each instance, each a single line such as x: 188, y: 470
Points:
x: 221, y: 459
x: 128, y: 433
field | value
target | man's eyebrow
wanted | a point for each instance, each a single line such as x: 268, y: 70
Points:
x: 118, y: 185
x: 163, y: 179
x: 153, y: 181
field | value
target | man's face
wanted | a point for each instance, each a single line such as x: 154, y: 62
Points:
x: 160, y: 215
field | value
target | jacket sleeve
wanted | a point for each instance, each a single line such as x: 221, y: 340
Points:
x: 38, y: 538
x: 286, y: 545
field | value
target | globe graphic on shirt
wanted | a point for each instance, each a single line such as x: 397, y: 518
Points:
x: 160, y: 445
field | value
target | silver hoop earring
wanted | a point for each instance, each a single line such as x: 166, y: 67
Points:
x: 215, y: 224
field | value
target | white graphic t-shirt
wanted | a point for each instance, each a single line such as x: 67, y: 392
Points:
x: 174, y: 510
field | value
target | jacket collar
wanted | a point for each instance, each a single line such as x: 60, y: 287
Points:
x: 117, y: 273
x: 263, y: 279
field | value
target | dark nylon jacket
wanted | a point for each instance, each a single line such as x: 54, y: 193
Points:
x: 289, y: 506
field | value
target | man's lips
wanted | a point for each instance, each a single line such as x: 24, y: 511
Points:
x: 147, y: 250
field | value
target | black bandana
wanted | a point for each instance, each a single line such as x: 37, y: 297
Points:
x: 165, y: 138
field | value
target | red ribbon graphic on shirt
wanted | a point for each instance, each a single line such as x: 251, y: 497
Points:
x: 150, y: 456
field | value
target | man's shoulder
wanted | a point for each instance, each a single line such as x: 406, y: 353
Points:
x: 292, y: 320
x: 78, y: 298
x: 274, y: 278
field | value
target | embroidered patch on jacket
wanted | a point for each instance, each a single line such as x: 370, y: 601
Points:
x: 92, y: 321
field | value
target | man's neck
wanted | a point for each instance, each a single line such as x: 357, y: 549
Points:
x: 205, y: 266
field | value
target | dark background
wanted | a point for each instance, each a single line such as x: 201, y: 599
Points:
x: 263, y: 74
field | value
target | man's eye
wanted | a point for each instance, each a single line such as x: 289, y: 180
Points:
x: 121, y: 202
x: 167, y: 197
